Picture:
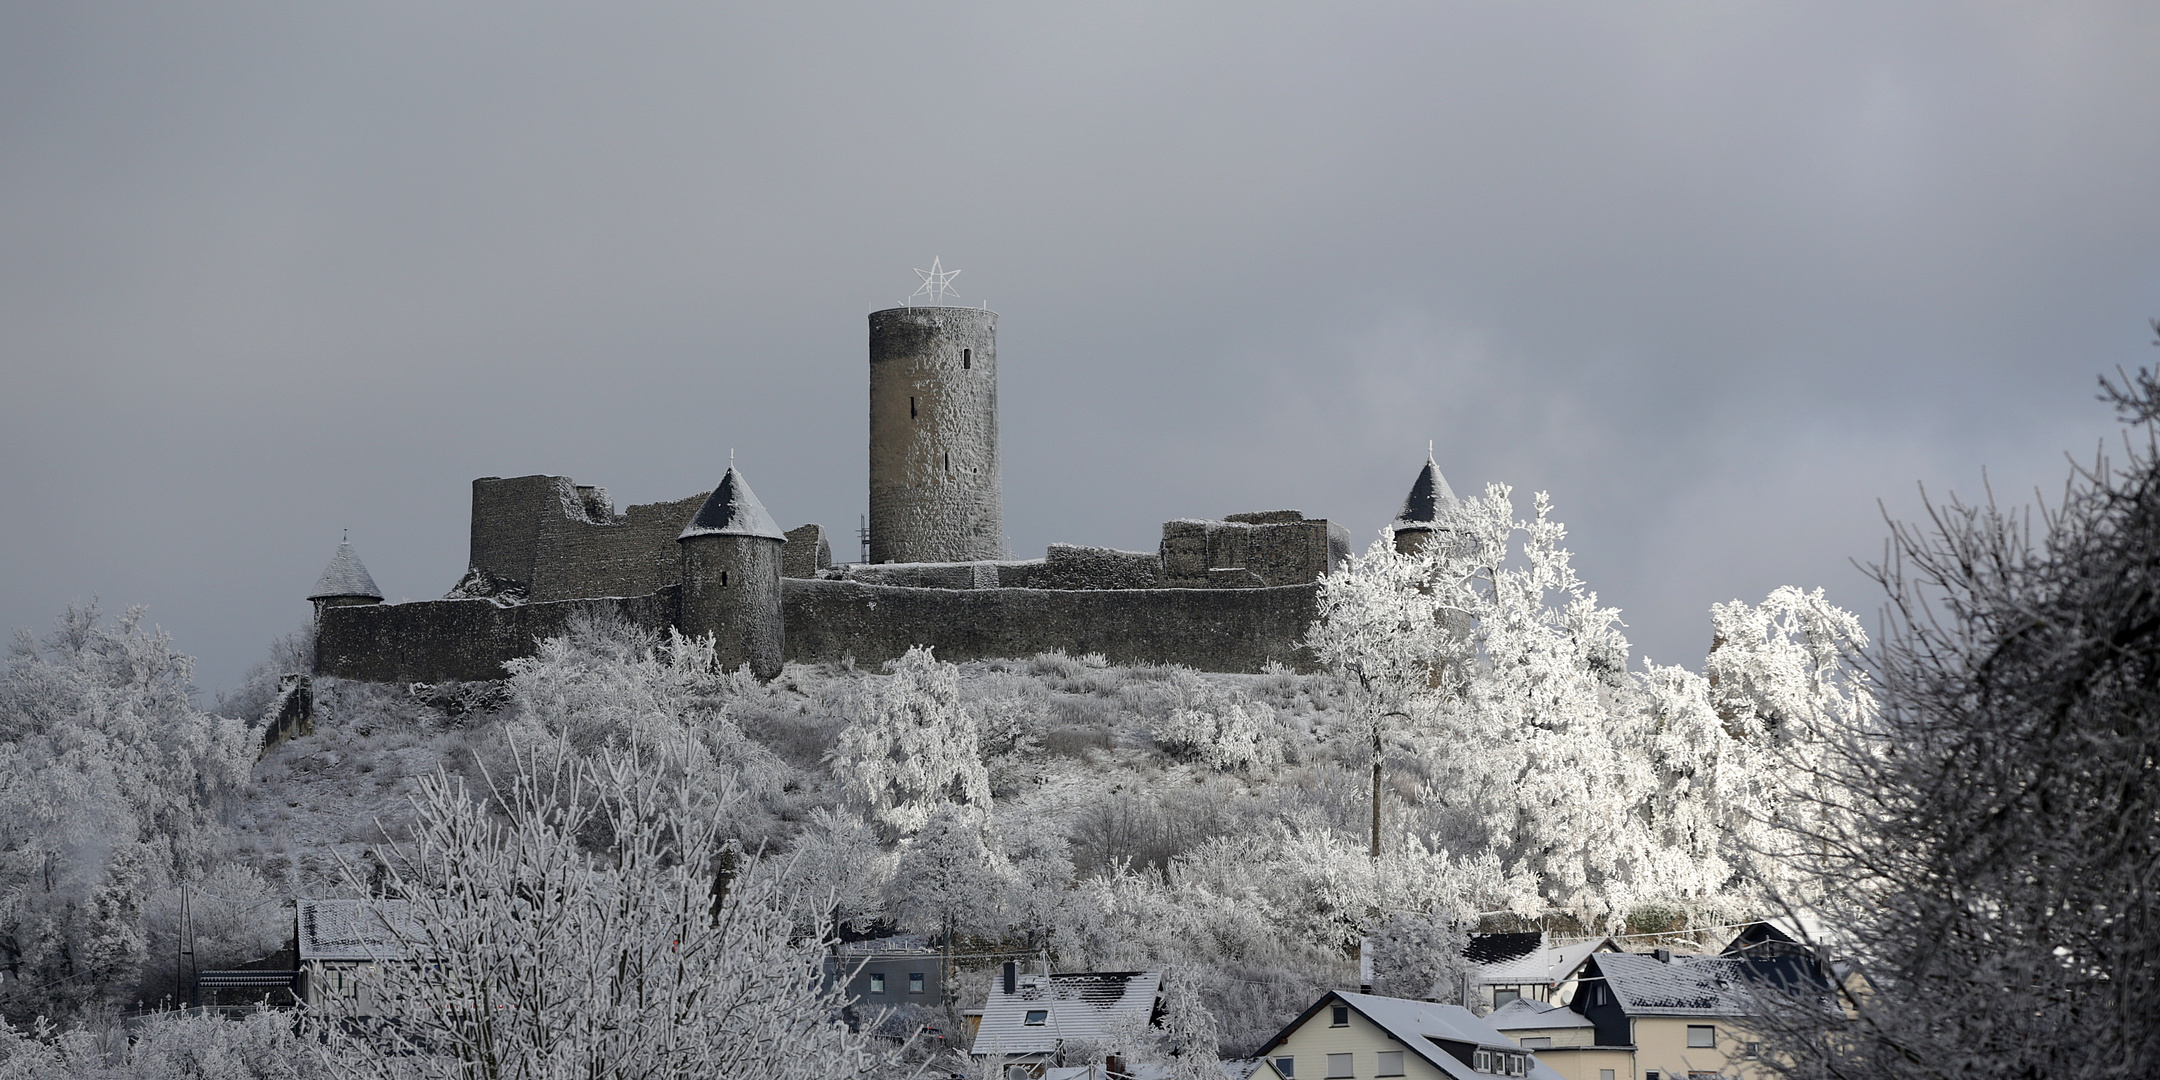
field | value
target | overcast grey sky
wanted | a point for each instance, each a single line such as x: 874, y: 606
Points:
x: 1716, y: 276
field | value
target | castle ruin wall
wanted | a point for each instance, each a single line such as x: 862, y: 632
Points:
x: 462, y: 640
x: 1208, y: 629
x: 561, y: 541
x: 828, y: 620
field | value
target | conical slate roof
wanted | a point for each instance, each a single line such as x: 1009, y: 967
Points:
x: 345, y: 577
x: 733, y: 510
x: 1429, y: 498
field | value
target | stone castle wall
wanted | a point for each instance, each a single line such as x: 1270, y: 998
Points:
x: 461, y: 640
x: 561, y: 541
x: 1208, y: 629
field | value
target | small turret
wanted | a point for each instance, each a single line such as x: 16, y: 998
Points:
x: 1429, y: 502
x: 344, y: 583
x: 731, y: 577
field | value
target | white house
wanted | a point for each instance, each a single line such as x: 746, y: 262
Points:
x: 1366, y: 1037
x: 1031, y: 1020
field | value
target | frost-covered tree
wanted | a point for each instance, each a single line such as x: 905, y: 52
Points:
x: 586, y: 925
x: 112, y: 785
x: 912, y: 747
x: 1599, y: 789
x: 175, y: 1046
x: 839, y: 869
x: 947, y: 880
x: 1224, y: 731
x: 1989, y: 842
x: 1418, y: 955
x: 1382, y: 630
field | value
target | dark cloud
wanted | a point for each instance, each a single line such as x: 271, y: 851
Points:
x: 1718, y: 277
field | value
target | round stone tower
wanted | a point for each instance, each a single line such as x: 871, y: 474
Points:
x: 935, y: 492
x: 731, y: 578
x: 344, y: 583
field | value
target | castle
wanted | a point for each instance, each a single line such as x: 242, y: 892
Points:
x: 1229, y: 595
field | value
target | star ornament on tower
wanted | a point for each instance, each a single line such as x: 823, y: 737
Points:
x: 936, y: 282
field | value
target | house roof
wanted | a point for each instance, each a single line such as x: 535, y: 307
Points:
x: 353, y: 929
x: 1091, y: 1005
x: 344, y: 577
x: 1491, y: 949
x: 733, y: 510
x: 1429, y: 497
x: 1523, y: 1014
x: 1421, y: 1027
x: 1701, y: 985
x: 1518, y: 959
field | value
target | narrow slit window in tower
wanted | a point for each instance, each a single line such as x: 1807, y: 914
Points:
x: 948, y: 461
x: 967, y: 359
x: 911, y: 408
x: 723, y: 579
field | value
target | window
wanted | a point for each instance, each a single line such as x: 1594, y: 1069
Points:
x: 877, y: 984
x: 1481, y: 1061
x: 1340, y: 1017
x: 723, y: 579
x: 914, y: 982
x: 948, y: 461
x: 1501, y: 995
x: 1701, y: 1035
x: 1338, y: 1066
x: 1037, y: 1017
x: 1537, y: 1042
x: 1599, y: 997
x: 967, y: 359
x: 1389, y: 1063
x: 1605, y: 1074
x: 1650, y: 1075
x: 1753, y: 1051
x: 1286, y: 1067
x: 911, y: 408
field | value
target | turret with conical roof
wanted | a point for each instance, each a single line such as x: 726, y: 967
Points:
x: 731, y: 577
x: 344, y: 583
x: 1422, y: 512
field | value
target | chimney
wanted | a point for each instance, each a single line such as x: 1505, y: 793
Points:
x: 1115, y: 1066
x: 1664, y: 956
x: 1012, y: 977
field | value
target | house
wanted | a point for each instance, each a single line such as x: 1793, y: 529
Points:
x: 1367, y: 1037
x: 888, y: 971
x: 1563, y: 1039
x: 336, y: 939
x: 1031, y: 1020
x: 1688, y: 1016
x: 1504, y: 967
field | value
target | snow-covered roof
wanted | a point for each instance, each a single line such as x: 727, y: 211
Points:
x: 733, y: 510
x: 353, y: 929
x: 1422, y: 1027
x: 1523, y: 1014
x: 344, y: 577
x: 1091, y: 1005
x: 1700, y: 985
x: 1521, y: 959
x: 1429, y: 497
